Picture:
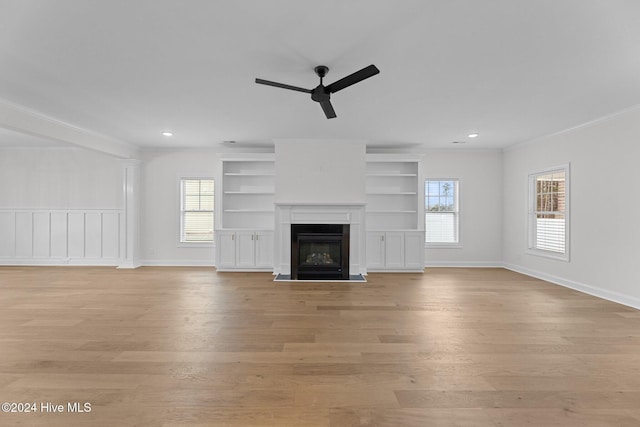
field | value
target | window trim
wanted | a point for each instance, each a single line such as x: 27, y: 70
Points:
x: 531, y: 203
x: 443, y: 245
x: 201, y: 244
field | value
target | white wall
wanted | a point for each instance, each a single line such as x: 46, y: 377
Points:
x: 604, y: 201
x: 160, y: 207
x: 480, y: 174
x: 60, y: 206
x: 320, y: 172
x: 61, y: 178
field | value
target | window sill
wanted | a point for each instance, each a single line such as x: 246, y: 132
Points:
x: 443, y: 246
x: 548, y: 254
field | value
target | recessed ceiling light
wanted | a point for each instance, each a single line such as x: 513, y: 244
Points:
x: 473, y: 135
x: 167, y: 133
x: 458, y: 142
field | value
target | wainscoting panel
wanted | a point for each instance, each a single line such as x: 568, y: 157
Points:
x: 92, y: 235
x: 75, y: 234
x: 24, y: 235
x: 60, y: 237
x: 110, y: 235
x: 41, y: 235
x: 7, y: 234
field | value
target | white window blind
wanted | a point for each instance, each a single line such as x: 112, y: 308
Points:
x: 441, y: 211
x: 196, y: 224
x: 548, y: 213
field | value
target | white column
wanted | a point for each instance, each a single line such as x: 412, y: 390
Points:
x: 130, y: 229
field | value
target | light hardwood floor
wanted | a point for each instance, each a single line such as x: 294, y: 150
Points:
x: 189, y: 346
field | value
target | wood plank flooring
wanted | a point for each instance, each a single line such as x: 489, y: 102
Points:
x: 189, y: 346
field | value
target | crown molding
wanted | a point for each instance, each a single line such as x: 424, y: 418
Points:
x: 590, y: 123
x: 21, y: 119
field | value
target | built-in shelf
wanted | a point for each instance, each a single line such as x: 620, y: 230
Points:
x: 248, y: 210
x: 391, y: 211
x: 395, y: 233
x: 392, y: 190
x: 248, y: 193
x: 249, y: 173
x: 391, y: 174
x: 392, y: 193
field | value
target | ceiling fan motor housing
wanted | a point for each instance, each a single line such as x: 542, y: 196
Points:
x: 320, y: 93
x: 321, y: 70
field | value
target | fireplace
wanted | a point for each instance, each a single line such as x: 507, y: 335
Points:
x: 320, y: 251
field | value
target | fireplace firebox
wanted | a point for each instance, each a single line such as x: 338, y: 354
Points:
x: 320, y: 251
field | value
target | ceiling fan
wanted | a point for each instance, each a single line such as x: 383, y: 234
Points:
x: 321, y: 93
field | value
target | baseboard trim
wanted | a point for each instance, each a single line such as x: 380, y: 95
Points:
x: 577, y: 286
x: 465, y: 264
x: 59, y: 262
x: 176, y: 263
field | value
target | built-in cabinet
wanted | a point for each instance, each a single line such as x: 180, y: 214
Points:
x: 395, y: 250
x: 244, y: 250
x: 245, y: 216
x: 245, y: 219
x: 394, y: 213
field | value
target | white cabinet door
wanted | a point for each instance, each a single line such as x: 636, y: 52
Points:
x: 394, y: 249
x: 414, y: 249
x: 245, y: 249
x: 375, y: 249
x: 264, y: 249
x: 226, y: 249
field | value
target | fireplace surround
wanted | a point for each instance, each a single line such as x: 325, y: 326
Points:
x: 288, y: 214
x: 320, y: 251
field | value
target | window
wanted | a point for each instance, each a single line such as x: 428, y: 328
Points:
x: 196, y: 210
x: 548, y: 212
x: 442, y: 214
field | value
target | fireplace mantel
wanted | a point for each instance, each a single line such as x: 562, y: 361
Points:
x: 320, y: 213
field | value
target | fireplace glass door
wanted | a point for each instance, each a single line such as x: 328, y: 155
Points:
x: 320, y: 252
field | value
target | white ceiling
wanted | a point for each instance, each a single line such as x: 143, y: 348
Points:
x: 511, y: 70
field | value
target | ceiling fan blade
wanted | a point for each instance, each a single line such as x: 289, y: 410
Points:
x: 282, y: 85
x: 354, y: 78
x: 328, y: 109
